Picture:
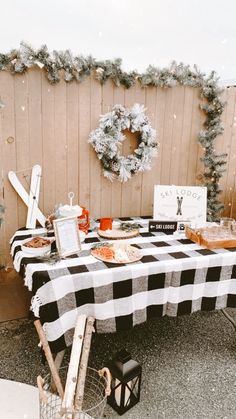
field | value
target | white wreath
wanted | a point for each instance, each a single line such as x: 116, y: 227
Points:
x: 107, y: 139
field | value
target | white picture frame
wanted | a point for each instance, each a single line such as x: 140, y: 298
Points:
x: 67, y: 236
x: 180, y: 203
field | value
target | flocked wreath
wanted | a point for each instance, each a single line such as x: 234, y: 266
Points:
x: 108, y: 137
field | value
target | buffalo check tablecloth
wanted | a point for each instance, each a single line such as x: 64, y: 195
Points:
x: 175, y: 276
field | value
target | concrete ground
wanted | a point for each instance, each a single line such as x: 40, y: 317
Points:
x: 189, y: 364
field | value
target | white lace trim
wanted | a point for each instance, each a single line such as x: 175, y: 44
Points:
x: 36, y: 303
x: 28, y: 280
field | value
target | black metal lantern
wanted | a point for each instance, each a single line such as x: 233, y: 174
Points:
x: 126, y: 381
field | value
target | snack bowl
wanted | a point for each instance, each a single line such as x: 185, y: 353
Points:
x: 36, y: 246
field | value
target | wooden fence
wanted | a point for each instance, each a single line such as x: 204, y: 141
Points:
x: 49, y: 125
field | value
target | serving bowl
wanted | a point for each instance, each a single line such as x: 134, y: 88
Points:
x: 39, y: 250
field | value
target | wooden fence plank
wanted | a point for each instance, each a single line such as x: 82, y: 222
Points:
x: 159, y: 125
x: 116, y: 187
x: 95, y: 166
x: 106, y: 186
x: 220, y: 144
x: 22, y: 137
x: 2, y: 193
x: 227, y: 145
x: 8, y: 161
x: 60, y: 143
x: 167, y: 135
x: 149, y: 178
x: 176, y: 159
x: 35, y: 122
x: 72, y: 135
x: 230, y: 148
x: 140, y: 98
x: 199, y: 126
x: 84, y: 147
x: 186, y: 134
x: 130, y: 196
x: 193, y: 141
x: 48, y: 134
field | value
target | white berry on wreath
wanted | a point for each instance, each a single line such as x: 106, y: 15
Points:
x: 107, y: 139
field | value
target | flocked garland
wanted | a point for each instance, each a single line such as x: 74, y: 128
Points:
x: 107, y: 138
x: 62, y: 64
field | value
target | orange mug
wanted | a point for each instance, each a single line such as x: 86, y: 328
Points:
x: 84, y: 223
x: 105, y: 224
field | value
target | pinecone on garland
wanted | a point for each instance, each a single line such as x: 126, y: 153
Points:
x: 100, y: 71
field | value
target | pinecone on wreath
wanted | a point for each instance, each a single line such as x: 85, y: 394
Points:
x: 115, y: 167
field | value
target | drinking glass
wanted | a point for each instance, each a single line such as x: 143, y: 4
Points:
x: 225, y: 227
x: 210, y: 233
x: 233, y: 229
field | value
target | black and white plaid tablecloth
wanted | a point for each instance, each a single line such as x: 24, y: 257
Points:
x: 175, y: 276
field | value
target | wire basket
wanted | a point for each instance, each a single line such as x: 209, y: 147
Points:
x: 94, y: 400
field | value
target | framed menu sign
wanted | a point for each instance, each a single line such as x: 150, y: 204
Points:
x: 67, y: 236
x: 180, y: 203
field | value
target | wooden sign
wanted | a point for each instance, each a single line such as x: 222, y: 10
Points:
x: 180, y: 203
x: 167, y: 227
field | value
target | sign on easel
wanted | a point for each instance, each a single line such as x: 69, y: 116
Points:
x: 180, y: 203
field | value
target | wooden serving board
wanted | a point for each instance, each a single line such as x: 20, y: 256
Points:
x: 196, y: 236
x: 117, y: 234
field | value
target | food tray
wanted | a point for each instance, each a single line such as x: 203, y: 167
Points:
x: 117, y: 234
x: 136, y: 255
x: 196, y: 236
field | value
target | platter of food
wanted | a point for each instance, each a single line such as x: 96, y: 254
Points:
x: 116, y: 253
x: 37, y: 246
x: 120, y: 231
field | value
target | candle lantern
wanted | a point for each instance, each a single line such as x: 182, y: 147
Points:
x: 126, y: 381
